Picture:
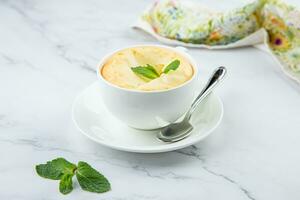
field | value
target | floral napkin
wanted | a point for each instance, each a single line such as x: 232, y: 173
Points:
x: 269, y: 22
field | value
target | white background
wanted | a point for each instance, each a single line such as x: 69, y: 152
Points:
x: 48, y: 54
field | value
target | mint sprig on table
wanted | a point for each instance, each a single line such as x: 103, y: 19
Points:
x: 149, y: 72
x: 88, y: 178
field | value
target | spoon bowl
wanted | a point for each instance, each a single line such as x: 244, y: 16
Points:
x: 175, y: 132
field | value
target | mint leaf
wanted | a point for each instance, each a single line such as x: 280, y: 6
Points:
x: 172, y: 66
x: 91, y: 180
x: 147, y: 71
x: 150, y: 67
x: 55, y: 169
x: 66, y: 184
x: 60, y: 169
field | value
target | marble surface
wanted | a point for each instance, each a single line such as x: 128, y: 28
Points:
x: 48, y: 54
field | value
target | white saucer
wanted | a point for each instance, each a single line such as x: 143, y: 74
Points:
x: 94, y: 121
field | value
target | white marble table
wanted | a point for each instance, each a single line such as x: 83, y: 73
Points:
x: 48, y: 53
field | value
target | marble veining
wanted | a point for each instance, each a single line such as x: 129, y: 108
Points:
x: 48, y: 54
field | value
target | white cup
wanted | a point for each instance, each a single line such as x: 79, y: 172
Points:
x: 148, y: 109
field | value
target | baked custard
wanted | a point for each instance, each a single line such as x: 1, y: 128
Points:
x: 147, y: 68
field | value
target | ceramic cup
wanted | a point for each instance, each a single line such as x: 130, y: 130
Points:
x: 148, y: 109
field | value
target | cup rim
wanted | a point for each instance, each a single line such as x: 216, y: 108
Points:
x: 177, y: 49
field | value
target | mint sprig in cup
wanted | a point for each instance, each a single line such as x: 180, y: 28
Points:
x: 148, y: 72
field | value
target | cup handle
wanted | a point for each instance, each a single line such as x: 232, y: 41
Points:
x: 181, y: 48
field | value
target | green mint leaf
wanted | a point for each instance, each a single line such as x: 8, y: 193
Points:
x: 55, y: 169
x: 91, y: 180
x: 172, y: 66
x: 147, y: 71
x: 150, y: 67
x: 66, y: 184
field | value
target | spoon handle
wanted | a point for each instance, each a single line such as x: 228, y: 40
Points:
x: 216, y: 77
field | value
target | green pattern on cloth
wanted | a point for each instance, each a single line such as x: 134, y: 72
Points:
x: 191, y: 23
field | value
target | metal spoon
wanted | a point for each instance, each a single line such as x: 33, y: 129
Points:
x: 180, y: 130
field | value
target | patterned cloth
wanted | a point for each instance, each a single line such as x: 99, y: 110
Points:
x: 282, y: 22
x: 190, y: 23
